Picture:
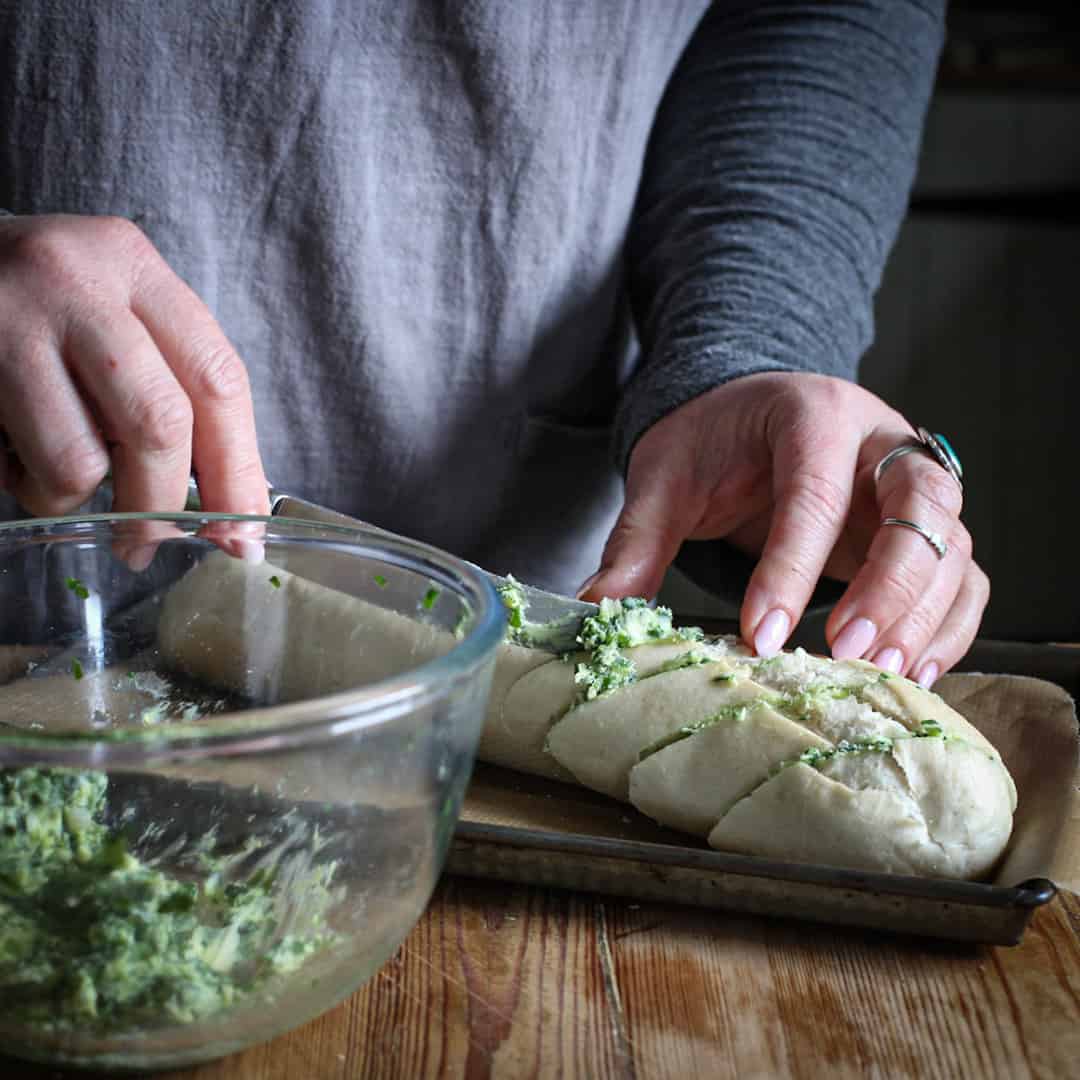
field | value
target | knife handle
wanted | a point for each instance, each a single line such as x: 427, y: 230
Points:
x: 194, y: 501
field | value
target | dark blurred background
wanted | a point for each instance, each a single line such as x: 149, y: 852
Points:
x: 978, y: 318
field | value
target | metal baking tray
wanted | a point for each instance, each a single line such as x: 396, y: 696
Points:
x: 529, y: 830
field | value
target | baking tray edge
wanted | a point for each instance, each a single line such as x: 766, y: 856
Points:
x: 953, y: 910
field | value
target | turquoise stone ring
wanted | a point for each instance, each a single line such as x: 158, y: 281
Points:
x: 935, y: 445
x: 943, y: 453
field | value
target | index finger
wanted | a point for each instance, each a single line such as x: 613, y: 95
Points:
x: 812, y: 487
x: 142, y: 410
x: 225, y: 450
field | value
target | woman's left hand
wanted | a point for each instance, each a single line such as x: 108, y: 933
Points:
x: 782, y: 465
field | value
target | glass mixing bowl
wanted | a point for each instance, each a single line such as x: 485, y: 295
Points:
x: 232, y: 754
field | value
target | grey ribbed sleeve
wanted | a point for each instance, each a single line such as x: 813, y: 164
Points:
x: 776, y: 178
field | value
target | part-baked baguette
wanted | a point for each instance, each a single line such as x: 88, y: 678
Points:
x: 797, y: 757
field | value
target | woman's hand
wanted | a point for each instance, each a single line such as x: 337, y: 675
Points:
x: 109, y: 361
x: 782, y: 464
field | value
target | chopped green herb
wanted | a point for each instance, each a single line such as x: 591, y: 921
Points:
x: 96, y: 941
x: 78, y: 588
x: 514, y: 601
x: 735, y: 713
x: 520, y: 630
x: 380, y: 580
x: 665, y: 741
x: 605, y: 670
x: 76, y: 669
x: 616, y: 625
x: 630, y: 622
x: 692, y: 658
x: 816, y: 756
x: 622, y: 624
x: 811, y: 701
x: 275, y: 581
x: 429, y: 598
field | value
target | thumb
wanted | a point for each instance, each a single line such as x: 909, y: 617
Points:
x: 658, y: 513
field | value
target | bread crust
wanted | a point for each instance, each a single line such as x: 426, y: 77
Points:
x: 801, y: 758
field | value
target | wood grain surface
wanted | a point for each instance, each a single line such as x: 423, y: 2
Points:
x: 500, y: 981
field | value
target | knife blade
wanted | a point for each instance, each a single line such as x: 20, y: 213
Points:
x: 561, y: 615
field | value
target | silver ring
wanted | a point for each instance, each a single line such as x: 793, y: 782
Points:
x: 941, y: 549
x: 935, y: 446
x: 899, y: 452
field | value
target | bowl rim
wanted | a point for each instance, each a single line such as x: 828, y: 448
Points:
x: 275, y: 727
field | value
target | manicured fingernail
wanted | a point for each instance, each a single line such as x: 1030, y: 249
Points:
x: 891, y: 659
x: 587, y: 584
x: 771, y: 633
x: 251, y: 551
x: 928, y: 675
x: 854, y: 639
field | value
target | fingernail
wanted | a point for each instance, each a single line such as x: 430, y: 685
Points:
x: 891, y: 659
x: 928, y: 675
x: 251, y: 551
x: 854, y: 639
x: 587, y: 584
x: 771, y: 633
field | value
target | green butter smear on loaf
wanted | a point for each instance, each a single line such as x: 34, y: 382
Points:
x: 617, y: 625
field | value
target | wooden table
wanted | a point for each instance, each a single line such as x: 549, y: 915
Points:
x: 500, y: 981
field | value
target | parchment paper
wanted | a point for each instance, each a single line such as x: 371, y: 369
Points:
x: 1034, y: 727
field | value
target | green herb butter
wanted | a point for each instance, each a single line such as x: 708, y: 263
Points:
x: 734, y: 713
x: 93, y: 939
x: 617, y: 625
x: 623, y: 624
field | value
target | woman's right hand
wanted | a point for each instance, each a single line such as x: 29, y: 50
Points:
x: 108, y: 361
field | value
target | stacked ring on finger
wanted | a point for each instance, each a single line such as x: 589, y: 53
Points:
x: 939, y: 448
x: 934, y: 445
x: 935, y: 540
